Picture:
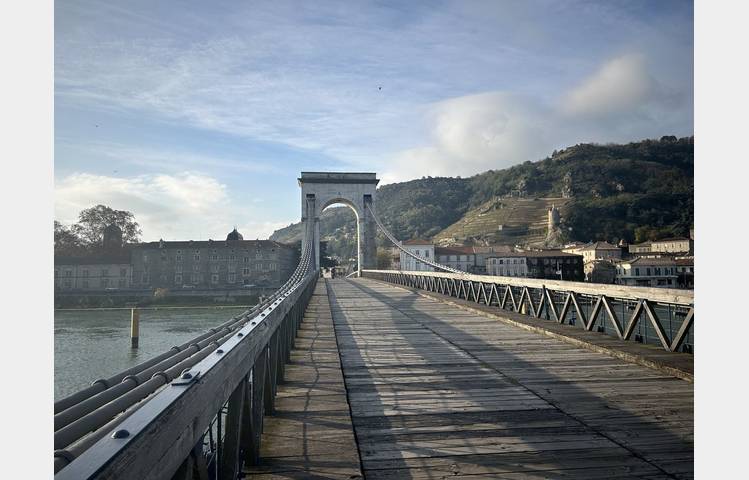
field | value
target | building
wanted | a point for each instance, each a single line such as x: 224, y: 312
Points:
x: 457, y: 257
x: 108, y: 268
x: 666, y: 245
x: 510, y: 264
x: 547, y: 264
x: 600, y: 271
x: 105, y: 271
x: 212, y: 264
x: 600, y: 251
x: 656, y: 272
x: 418, y: 247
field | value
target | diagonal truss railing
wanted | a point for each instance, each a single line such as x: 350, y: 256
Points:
x: 622, y: 311
x: 197, y: 407
x: 399, y: 245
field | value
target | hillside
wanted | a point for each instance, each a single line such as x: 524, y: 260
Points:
x: 636, y: 191
x: 506, y: 221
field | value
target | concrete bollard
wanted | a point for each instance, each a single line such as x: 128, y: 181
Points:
x: 134, y: 327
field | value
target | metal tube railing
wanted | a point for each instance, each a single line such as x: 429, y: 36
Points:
x: 82, y: 419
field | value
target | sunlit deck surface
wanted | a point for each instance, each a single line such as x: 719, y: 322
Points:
x: 435, y: 391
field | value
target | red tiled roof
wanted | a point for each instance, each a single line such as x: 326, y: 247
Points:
x: 417, y: 241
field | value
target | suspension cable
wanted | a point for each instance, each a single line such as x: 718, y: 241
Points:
x: 399, y: 245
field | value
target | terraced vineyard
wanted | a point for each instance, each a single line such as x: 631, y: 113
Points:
x: 504, y: 221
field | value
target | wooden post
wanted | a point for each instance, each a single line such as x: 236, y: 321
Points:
x: 134, y: 327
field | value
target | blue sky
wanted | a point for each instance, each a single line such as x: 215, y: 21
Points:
x: 198, y: 116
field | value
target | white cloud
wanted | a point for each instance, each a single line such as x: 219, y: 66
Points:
x: 172, y: 207
x: 475, y: 133
x: 622, y: 84
x: 619, y: 102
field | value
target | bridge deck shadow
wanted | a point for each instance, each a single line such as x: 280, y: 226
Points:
x: 310, y: 436
x: 438, y: 392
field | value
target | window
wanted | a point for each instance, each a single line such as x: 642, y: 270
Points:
x: 68, y: 273
x: 123, y: 272
x: 196, y: 257
x: 272, y: 267
x: 104, y: 272
x: 214, y: 257
x: 426, y: 253
x: 417, y: 252
x: 196, y: 268
x: 246, y: 259
x: 178, y: 268
x: 214, y: 279
x: 84, y: 273
x: 178, y: 258
x: 232, y: 277
x: 194, y: 278
x: 637, y: 272
x: 647, y: 271
x: 105, y: 282
x: 178, y: 279
x: 67, y: 283
x: 179, y: 252
x: 232, y: 267
x: 144, y: 277
x: 232, y: 258
x: 214, y: 268
x: 122, y: 283
x: 258, y: 255
x: 245, y: 271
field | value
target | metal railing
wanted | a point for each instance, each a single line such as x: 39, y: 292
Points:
x: 197, y: 408
x: 657, y: 316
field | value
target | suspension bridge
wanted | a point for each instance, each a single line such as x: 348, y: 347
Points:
x: 402, y: 375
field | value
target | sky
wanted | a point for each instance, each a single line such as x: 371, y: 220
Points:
x: 199, y: 116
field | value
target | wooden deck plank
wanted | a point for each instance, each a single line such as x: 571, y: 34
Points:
x: 310, y: 435
x: 439, y: 392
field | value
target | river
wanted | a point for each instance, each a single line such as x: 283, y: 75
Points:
x: 91, y: 344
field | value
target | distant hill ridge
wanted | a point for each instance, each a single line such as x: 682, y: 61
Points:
x: 635, y: 191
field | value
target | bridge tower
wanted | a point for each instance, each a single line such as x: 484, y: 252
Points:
x: 355, y: 190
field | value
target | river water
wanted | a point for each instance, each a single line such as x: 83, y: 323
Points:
x: 91, y: 344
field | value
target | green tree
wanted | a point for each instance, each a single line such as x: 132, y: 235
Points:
x: 383, y: 259
x: 67, y: 243
x: 92, y: 222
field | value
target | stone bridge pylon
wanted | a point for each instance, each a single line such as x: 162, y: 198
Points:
x: 355, y: 190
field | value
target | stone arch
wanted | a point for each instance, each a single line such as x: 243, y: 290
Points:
x: 355, y: 190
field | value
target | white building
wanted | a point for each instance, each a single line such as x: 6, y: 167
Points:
x: 600, y: 251
x: 511, y: 264
x: 421, y: 248
x: 656, y: 272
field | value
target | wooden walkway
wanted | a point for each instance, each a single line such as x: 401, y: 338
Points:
x: 436, y: 391
x: 310, y: 435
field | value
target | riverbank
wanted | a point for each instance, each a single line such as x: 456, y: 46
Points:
x: 124, y: 301
x: 154, y: 308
